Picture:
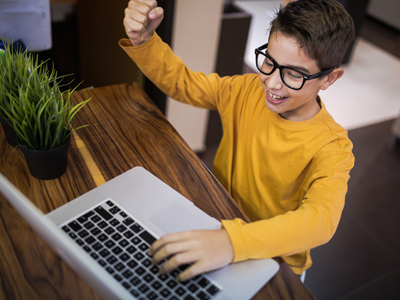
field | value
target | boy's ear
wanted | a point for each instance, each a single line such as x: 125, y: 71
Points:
x: 332, y: 77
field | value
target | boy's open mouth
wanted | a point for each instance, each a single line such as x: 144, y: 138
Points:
x: 275, y: 99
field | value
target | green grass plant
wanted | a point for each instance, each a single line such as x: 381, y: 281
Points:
x: 32, y: 100
x: 14, y: 71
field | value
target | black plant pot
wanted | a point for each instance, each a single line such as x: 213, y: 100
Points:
x: 47, y: 164
x: 9, y: 132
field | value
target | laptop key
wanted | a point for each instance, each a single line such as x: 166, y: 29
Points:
x: 75, y: 226
x: 124, y: 257
x: 119, y: 266
x: 154, y: 270
x: 118, y: 277
x: 152, y: 296
x: 156, y: 285
x: 117, y: 250
x: 135, y: 240
x: 83, y: 233
x: 203, y: 282
x: 135, y: 293
x: 88, y: 225
x: 97, y: 246
x: 127, y: 274
x: 144, y: 247
x: 148, y: 278
x: 126, y: 285
x: 128, y: 221
x: 175, y: 273
x: 109, y: 244
x: 102, y: 262
x: 193, y: 287
x: 165, y: 293
x: 147, y: 263
x: 213, y: 290
x: 95, y: 231
x: 102, y: 212
x: 136, y: 228
x: 90, y: 240
x: 140, y: 271
x: 104, y: 253
x: 135, y: 281
x: 123, y: 243
x: 147, y: 237
x: 180, y: 291
x: 66, y: 228
x: 131, y: 249
x: 102, y: 224
x: 128, y: 234
x: 109, y: 230
x: 114, y: 210
x: 114, y: 222
x: 121, y: 228
x: 203, y: 296
x: 95, y: 218
x: 94, y: 255
x: 85, y: 217
x: 132, y: 264
x: 172, y: 283
x: 112, y: 259
x: 116, y: 236
x: 102, y: 237
x: 144, y: 288
x: 163, y: 277
x: 139, y: 256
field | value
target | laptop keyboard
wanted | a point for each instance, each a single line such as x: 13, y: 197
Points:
x: 119, y: 243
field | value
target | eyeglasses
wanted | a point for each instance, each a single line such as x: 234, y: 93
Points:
x: 291, y: 77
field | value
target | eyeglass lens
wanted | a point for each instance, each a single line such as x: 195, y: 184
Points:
x: 290, y: 77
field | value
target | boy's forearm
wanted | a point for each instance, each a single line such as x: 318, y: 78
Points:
x: 169, y: 73
x: 293, y: 233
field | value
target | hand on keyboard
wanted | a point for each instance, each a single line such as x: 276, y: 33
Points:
x: 206, y: 250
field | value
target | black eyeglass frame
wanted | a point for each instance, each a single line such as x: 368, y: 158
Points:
x: 306, y: 77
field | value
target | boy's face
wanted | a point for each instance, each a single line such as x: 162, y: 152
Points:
x: 294, y: 105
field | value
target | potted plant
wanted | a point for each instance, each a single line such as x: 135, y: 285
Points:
x: 14, y: 69
x: 41, y: 114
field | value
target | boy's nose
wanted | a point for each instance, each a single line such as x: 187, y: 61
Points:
x: 274, y: 81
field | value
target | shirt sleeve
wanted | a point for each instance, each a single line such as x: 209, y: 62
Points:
x: 169, y: 73
x: 311, y: 225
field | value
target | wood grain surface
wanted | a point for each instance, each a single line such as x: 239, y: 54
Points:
x: 125, y: 130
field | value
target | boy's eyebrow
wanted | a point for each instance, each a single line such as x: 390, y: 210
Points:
x: 305, y: 70
x: 300, y: 68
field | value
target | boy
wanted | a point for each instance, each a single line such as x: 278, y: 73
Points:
x: 282, y: 157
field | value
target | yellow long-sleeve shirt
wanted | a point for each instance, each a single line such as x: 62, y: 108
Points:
x: 290, y: 178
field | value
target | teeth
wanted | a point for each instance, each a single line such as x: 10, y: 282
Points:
x: 275, y: 96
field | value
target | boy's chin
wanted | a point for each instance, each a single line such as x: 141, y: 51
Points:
x: 275, y: 107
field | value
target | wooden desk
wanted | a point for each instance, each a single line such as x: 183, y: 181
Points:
x: 125, y: 130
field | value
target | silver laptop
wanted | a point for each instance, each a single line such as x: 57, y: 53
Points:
x: 104, y: 236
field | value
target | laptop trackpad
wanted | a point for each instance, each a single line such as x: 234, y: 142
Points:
x: 181, y: 217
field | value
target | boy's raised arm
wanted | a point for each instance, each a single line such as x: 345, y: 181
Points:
x: 142, y: 17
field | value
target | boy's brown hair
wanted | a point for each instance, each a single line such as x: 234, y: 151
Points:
x: 323, y: 28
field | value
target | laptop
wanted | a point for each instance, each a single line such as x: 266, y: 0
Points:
x: 104, y: 236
